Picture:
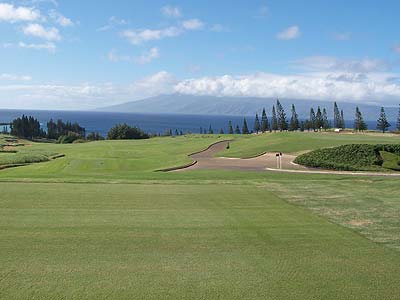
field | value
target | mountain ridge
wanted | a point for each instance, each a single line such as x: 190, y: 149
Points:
x: 240, y: 106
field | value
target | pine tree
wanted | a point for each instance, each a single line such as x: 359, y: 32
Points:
x: 318, y: 119
x: 245, y: 129
x: 302, y: 126
x: 398, y: 120
x: 282, y: 122
x: 382, y: 123
x: 264, y: 121
x: 307, y: 125
x: 274, y: 121
x: 358, y: 120
x: 336, y: 116
x: 294, y: 120
x: 221, y: 131
x: 230, y: 128
x: 237, y: 129
x: 257, y: 125
x: 176, y: 132
x: 325, y: 121
x: 342, y: 123
x: 201, y: 130
x: 312, y: 119
x: 210, y: 130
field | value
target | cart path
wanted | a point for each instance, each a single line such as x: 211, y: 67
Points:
x: 265, y: 162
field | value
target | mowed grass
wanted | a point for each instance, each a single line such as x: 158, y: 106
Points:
x: 112, y: 159
x: 197, y: 234
x: 299, y: 142
x: 215, y: 241
x: 132, y: 160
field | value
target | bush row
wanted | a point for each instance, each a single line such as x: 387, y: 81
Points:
x: 354, y: 157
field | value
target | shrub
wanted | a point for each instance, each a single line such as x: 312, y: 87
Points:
x: 126, y: 132
x: 94, y: 136
x: 356, y: 157
x: 69, y: 138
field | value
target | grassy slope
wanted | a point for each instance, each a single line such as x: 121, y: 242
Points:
x: 290, y: 142
x: 112, y: 159
x: 131, y: 160
x: 76, y: 241
x: 197, y: 234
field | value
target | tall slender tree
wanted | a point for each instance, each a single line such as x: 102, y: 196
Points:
x: 312, y: 120
x: 342, y: 122
x: 210, y: 130
x: 264, y: 122
x: 237, y: 129
x: 282, y: 121
x: 398, y: 120
x: 359, y: 123
x: 294, y: 120
x: 336, y: 116
x: 230, y: 128
x: 221, y: 131
x: 274, y: 121
x: 382, y: 123
x: 325, y: 121
x: 257, y: 125
x: 245, y: 128
x: 319, y: 122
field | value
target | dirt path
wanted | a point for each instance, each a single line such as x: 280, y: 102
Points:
x: 266, y: 162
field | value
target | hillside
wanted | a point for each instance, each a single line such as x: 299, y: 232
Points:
x: 209, y: 105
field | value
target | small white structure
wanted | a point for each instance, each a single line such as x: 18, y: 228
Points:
x: 338, y: 130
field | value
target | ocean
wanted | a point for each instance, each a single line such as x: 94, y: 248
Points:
x: 101, y: 122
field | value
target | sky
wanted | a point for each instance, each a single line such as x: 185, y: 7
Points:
x: 80, y: 55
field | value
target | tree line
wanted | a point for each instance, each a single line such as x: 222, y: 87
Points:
x: 318, y: 120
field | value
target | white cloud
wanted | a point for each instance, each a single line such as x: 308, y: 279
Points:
x: 193, y: 24
x: 374, y: 88
x: 396, y: 48
x: 46, y: 46
x: 290, y: 33
x: 145, y: 58
x: 262, y: 12
x: 342, y: 36
x: 85, y: 95
x: 219, y: 28
x: 148, y: 56
x: 330, y: 63
x: 12, y: 14
x: 13, y: 77
x: 140, y: 36
x: 60, y: 19
x: 37, y: 30
x: 171, y: 11
x: 112, y: 23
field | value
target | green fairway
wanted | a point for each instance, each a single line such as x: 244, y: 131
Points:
x: 73, y: 241
x: 100, y: 223
x: 295, y: 142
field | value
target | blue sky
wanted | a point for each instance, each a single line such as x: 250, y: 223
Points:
x: 85, y: 54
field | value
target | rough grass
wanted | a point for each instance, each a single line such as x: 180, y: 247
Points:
x: 157, y: 241
x: 369, y: 206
